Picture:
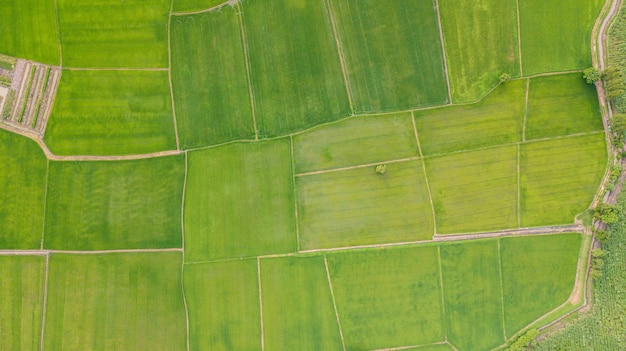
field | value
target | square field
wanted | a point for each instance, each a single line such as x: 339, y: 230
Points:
x: 360, y: 207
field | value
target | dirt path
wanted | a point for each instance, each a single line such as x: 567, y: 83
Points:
x: 82, y: 252
x: 512, y: 232
x: 519, y: 39
x: 430, y: 194
x: 443, y: 51
x: 230, y: 3
x: 169, y: 72
x: 258, y: 264
x: 358, y: 166
x: 244, y: 43
x: 45, y: 303
x: 332, y: 295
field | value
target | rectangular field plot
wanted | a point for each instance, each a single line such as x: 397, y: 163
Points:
x: 388, y: 298
x: 481, y: 43
x: 29, y: 30
x: 393, y: 53
x: 111, y: 113
x: 562, y: 105
x: 209, y: 79
x: 475, y: 191
x: 538, y: 275
x: 239, y: 202
x: 559, y: 178
x: 497, y: 119
x: 115, y: 204
x: 472, y: 295
x: 22, y: 192
x: 550, y: 45
x: 115, y: 302
x: 297, y: 305
x: 296, y: 73
x: 357, y: 141
x: 21, y: 287
x: 360, y: 207
x: 113, y: 33
x: 223, y: 303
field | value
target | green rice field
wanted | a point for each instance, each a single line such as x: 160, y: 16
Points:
x: 195, y: 5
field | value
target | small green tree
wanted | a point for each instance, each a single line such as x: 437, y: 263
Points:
x: 381, y: 169
x: 603, y: 235
x: 591, y: 75
x: 504, y: 77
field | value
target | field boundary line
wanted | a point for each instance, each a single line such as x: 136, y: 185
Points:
x: 501, y: 289
x: 547, y: 74
x: 412, y: 346
x: 452, y: 346
x: 332, y: 295
x: 258, y: 272
x: 441, y: 291
x: 407, y: 159
x: 342, y: 61
x: 443, y: 51
x: 230, y: 3
x: 519, y: 187
x: 525, y: 109
x: 295, y: 194
x: 182, y: 265
x: 45, y: 304
x: 45, y: 204
x: 58, y: 25
x: 244, y: 43
x: 147, y: 69
x: 546, y: 230
x: 83, y: 252
x: 169, y: 71
x: 430, y: 195
x: 519, y: 39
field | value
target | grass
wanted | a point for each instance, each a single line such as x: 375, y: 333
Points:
x: 239, y: 202
x: 115, y: 301
x: 113, y: 33
x: 297, y: 305
x: 21, y: 306
x: 559, y: 178
x: 111, y: 113
x: 562, y: 105
x: 481, y: 43
x: 538, y: 275
x: 195, y: 5
x: 295, y: 68
x: 107, y: 205
x: 360, y: 206
x: 29, y: 30
x: 388, y: 298
x: 354, y: 142
x: 393, y: 53
x: 209, y: 79
x: 472, y: 295
x: 497, y: 119
x: 22, y: 185
x: 553, y: 46
x: 223, y: 302
x: 475, y: 191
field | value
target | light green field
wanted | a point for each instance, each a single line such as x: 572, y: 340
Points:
x: 357, y: 141
x: 497, y: 119
x: 295, y: 67
x: 550, y: 45
x: 115, y: 302
x: 472, y: 295
x: 433, y: 347
x: 393, y: 53
x: 223, y: 304
x: 111, y: 113
x: 562, y: 105
x: 474, y: 191
x: 360, y: 207
x: 29, y: 30
x: 388, y: 298
x: 209, y: 78
x: 195, y: 5
x: 21, y: 288
x: 239, y: 202
x: 559, y: 178
x: 115, y: 205
x: 22, y: 189
x: 113, y: 33
x: 537, y: 276
x: 481, y: 43
x: 297, y: 305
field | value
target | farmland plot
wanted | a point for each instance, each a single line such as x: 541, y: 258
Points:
x: 481, y: 43
x: 115, y: 302
x: 294, y: 65
x: 195, y: 5
x: 393, y: 53
x: 111, y: 113
x: 113, y: 33
x: 22, y: 187
x: 209, y: 79
x: 21, y: 306
x: 239, y: 201
x: 115, y: 204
